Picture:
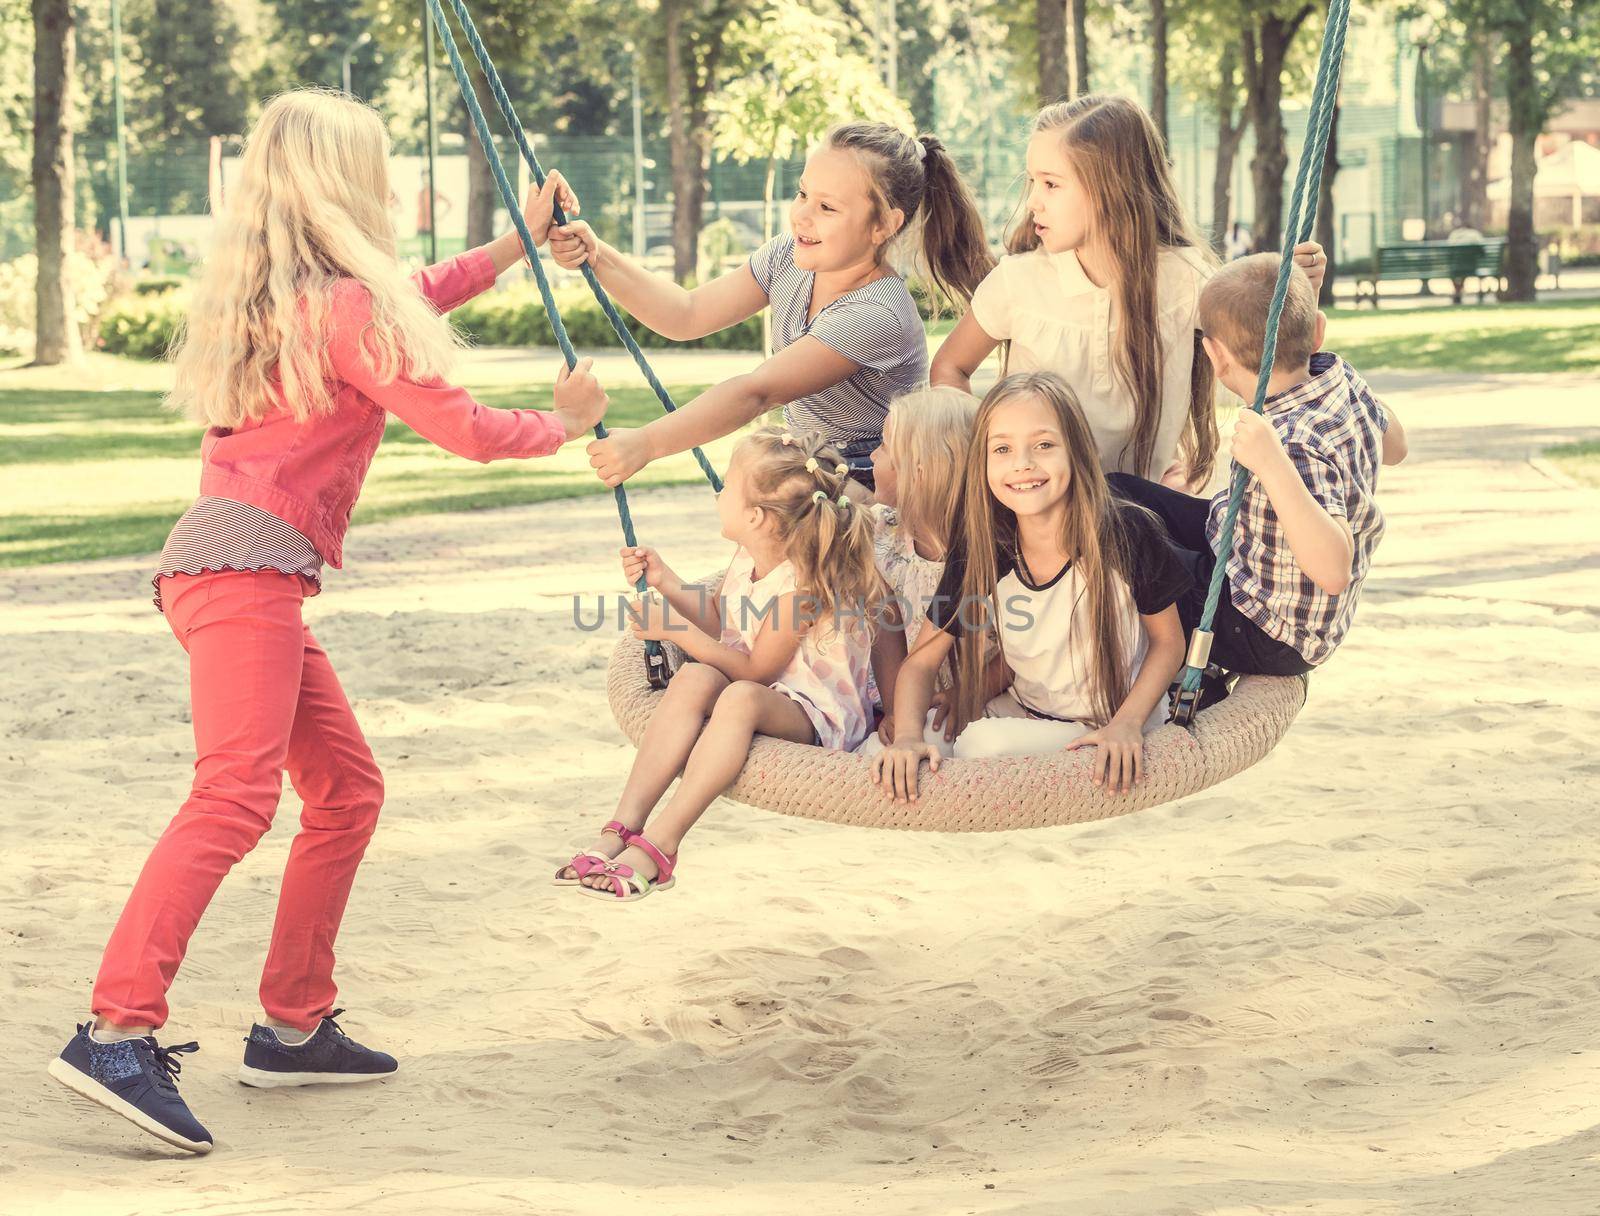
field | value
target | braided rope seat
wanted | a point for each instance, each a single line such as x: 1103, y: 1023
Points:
x: 986, y: 795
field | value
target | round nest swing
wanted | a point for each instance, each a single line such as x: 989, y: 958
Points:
x: 990, y: 795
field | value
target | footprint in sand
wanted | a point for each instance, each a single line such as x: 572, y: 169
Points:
x: 1053, y: 1064
x: 1374, y: 904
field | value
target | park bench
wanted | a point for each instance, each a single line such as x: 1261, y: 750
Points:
x: 1457, y: 261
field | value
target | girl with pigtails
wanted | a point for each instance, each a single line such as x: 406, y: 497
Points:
x: 782, y: 647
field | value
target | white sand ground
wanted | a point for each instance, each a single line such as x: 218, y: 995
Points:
x: 1361, y: 979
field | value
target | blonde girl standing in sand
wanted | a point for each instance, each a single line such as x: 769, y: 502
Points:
x: 846, y: 332
x: 1081, y: 587
x: 781, y: 648
x: 915, y: 520
x: 305, y: 335
x: 1102, y: 287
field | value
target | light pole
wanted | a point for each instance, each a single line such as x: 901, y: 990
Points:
x: 122, y: 139
x: 349, y: 53
x: 427, y: 76
x: 1421, y: 31
x: 638, y: 163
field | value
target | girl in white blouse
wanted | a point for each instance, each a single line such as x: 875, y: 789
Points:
x: 1102, y: 288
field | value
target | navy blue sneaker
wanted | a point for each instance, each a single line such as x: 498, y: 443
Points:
x: 329, y: 1056
x: 136, y: 1078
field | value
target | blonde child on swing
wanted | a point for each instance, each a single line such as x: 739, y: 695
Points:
x: 781, y: 648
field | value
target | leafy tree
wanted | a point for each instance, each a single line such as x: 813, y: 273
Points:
x: 16, y: 118
x: 196, y: 65
x: 794, y: 76
x: 1158, y: 66
x: 688, y: 39
x: 1269, y: 31
x: 1549, y: 50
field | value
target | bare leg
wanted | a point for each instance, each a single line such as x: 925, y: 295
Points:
x: 744, y: 710
x: 668, y: 741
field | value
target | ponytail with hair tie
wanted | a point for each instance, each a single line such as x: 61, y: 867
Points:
x: 927, y: 189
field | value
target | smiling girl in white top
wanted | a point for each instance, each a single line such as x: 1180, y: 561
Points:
x: 1102, y: 288
x: 846, y: 332
x: 1082, y: 588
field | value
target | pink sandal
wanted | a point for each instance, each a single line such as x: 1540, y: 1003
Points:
x: 585, y: 863
x: 627, y: 884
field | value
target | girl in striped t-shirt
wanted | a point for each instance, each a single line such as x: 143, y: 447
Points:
x: 305, y: 335
x: 846, y: 332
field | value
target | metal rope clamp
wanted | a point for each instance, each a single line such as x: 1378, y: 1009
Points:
x: 1187, y: 700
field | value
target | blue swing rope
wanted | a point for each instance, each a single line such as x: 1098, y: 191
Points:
x: 509, y: 114
x: 1298, y: 227
x: 654, y: 657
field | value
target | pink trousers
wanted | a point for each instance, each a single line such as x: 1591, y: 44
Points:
x: 266, y: 700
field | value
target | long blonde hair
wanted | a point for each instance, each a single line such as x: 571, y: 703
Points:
x: 1117, y: 152
x: 1092, y: 535
x: 928, y: 443
x: 310, y: 207
x: 828, y: 540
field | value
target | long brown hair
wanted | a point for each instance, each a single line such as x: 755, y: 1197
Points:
x: 1117, y: 152
x: 916, y: 175
x: 828, y: 539
x: 1091, y: 534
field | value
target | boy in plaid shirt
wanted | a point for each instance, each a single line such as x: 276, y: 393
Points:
x: 1309, y: 520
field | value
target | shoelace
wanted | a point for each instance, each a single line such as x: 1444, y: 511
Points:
x: 168, y: 1066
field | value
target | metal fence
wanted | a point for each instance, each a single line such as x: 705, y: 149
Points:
x: 1385, y: 180
x: 167, y: 199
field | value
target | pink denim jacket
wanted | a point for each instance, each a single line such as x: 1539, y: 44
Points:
x: 309, y: 474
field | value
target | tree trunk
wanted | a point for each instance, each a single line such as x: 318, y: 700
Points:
x: 1078, y: 32
x: 1527, y: 119
x: 1264, y: 47
x: 685, y: 168
x: 54, y: 50
x: 1230, y: 134
x: 1050, y: 23
x: 1158, y: 67
x: 696, y: 179
x: 1475, y: 191
x: 482, y: 193
x: 1323, y: 230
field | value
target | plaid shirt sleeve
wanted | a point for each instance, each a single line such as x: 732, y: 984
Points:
x: 1322, y: 477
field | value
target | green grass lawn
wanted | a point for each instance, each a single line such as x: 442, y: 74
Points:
x: 1559, y: 336
x: 92, y: 466
x: 1579, y: 461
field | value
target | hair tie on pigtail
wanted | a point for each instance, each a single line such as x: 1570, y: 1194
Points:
x: 818, y: 496
x: 811, y: 464
x: 788, y: 439
x: 841, y: 469
x: 844, y: 501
